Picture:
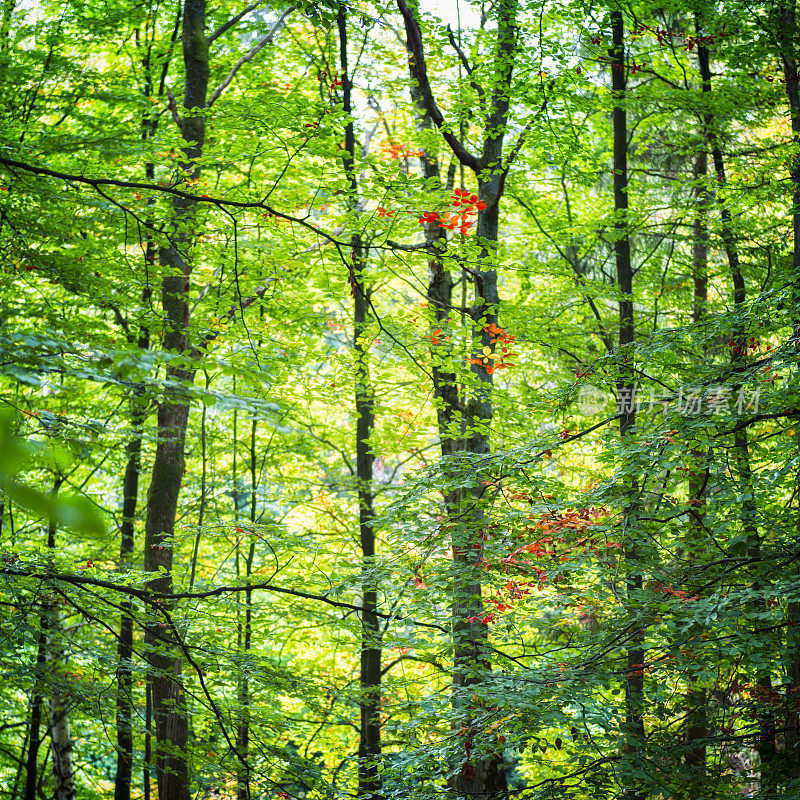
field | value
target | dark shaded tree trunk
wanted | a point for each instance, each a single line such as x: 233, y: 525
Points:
x: 440, y: 300
x: 766, y: 745
x: 61, y: 744
x: 133, y: 451
x: 787, y: 35
x: 147, y: 767
x: 245, y: 630
x: 32, y: 775
x: 480, y: 775
x: 369, y: 748
x: 170, y: 719
x: 626, y: 387
x: 130, y: 494
x: 787, y: 17
x: 35, y: 735
x: 696, y: 699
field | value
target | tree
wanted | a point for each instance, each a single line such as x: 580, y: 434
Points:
x: 489, y: 482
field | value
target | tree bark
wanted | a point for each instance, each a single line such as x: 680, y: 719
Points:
x: 480, y: 775
x: 626, y: 387
x: 130, y: 482
x: 130, y: 494
x: 369, y: 748
x: 440, y: 299
x: 34, y: 736
x: 245, y: 630
x: 58, y: 716
x: 696, y: 699
x: 168, y: 697
x: 788, y: 32
x: 766, y: 744
x: 32, y: 776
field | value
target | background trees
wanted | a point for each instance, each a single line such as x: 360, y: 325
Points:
x: 275, y: 277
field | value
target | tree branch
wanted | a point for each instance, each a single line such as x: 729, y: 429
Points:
x: 96, y: 183
x: 154, y: 598
x: 249, y: 55
x: 233, y: 20
x: 463, y: 58
x: 173, y: 108
x: 419, y: 70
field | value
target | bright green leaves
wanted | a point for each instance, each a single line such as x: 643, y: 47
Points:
x: 17, y: 456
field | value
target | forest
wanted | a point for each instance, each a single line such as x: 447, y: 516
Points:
x: 397, y: 400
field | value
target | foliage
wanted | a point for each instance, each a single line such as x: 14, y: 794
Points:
x: 582, y: 541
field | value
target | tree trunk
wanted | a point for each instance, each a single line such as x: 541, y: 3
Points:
x: 766, y: 745
x: 369, y: 747
x: 787, y: 37
x: 626, y: 387
x: 480, y: 775
x: 245, y: 630
x: 130, y: 489
x: 440, y: 298
x: 34, y: 736
x: 130, y: 493
x: 58, y: 717
x: 168, y: 697
x: 696, y: 700
x: 147, y: 766
x: 32, y: 776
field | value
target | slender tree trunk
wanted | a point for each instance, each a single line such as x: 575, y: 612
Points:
x: 170, y: 716
x: 792, y: 735
x: 130, y: 493
x: 130, y: 497
x: 440, y: 300
x: 626, y: 387
x: 787, y: 38
x: 696, y: 700
x: 32, y: 775
x: 147, y: 767
x: 245, y: 634
x: 130, y: 483
x: 35, y: 736
x: 787, y: 16
x: 766, y: 745
x: 20, y: 766
x: 481, y: 775
x: 369, y: 748
x: 58, y: 716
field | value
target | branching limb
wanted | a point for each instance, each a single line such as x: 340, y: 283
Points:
x: 173, y: 108
x: 96, y: 183
x: 233, y: 20
x: 419, y: 70
x: 465, y: 62
x: 249, y: 55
